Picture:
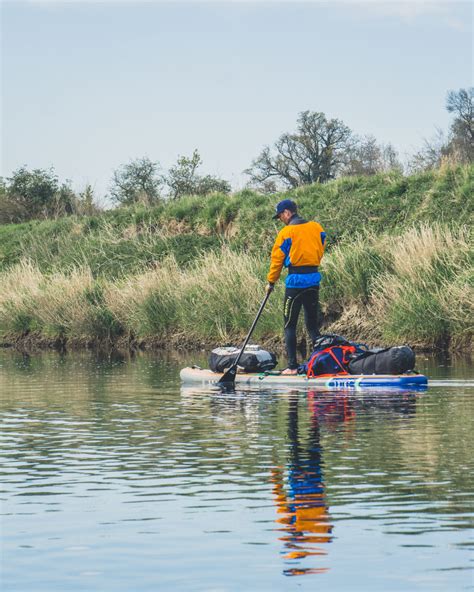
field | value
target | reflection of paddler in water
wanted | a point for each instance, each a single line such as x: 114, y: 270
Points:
x: 333, y: 409
x: 301, y: 505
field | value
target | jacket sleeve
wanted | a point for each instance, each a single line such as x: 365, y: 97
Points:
x: 277, y: 258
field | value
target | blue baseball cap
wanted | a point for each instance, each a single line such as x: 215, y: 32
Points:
x: 286, y: 204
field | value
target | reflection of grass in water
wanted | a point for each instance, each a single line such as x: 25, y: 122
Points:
x: 415, y: 287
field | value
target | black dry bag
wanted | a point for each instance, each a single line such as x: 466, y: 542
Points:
x: 393, y: 360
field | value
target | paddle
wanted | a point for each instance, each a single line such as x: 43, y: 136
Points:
x: 228, y: 378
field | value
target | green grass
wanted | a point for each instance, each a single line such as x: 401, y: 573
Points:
x: 398, y: 267
x: 128, y: 240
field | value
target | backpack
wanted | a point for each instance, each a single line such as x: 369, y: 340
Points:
x: 254, y: 359
x: 331, y: 360
x: 392, y: 360
x: 331, y: 355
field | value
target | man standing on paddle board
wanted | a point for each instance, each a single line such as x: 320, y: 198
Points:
x: 299, y: 247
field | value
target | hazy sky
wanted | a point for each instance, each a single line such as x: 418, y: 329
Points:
x: 87, y: 86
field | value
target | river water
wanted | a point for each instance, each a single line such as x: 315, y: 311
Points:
x: 114, y: 477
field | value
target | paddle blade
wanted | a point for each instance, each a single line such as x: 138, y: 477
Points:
x: 228, y: 377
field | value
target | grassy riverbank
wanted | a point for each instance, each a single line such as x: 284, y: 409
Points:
x: 415, y: 287
x: 125, y: 241
x: 398, y: 267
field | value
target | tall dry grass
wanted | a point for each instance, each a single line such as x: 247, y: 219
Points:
x: 416, y: 287
x: 216, y: 299
x: 19, y: 291
x: 54, y: 306
x: 428, y: 298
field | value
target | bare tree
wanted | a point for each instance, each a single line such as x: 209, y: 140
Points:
x: 458, y: 144
x: 430, y: 155
x: 313, y: 154
x: 461, y: 104
x: 367, y: 157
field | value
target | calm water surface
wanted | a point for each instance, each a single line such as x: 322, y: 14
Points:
x: 116, y: 478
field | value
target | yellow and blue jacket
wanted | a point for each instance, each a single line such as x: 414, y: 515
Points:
x: 299, y: 246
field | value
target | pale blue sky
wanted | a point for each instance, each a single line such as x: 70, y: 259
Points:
x: 88, y: 86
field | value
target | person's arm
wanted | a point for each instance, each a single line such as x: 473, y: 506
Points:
x: 277, y: 258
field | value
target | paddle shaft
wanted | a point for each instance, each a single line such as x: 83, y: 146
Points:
x: 229, y: 375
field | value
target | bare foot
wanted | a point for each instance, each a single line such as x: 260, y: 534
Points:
x: 289, y: 372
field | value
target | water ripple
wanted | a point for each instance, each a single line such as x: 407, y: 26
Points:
x: 112, y: 470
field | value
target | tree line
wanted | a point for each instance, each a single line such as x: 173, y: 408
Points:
x: 38, y: 193
x: 319, y: 150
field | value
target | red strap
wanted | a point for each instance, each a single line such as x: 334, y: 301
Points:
x: 310, y: 373
x: 346, y: 349
x: 331, y: 353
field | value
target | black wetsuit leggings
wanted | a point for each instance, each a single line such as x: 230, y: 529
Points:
x: 295, y: 298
